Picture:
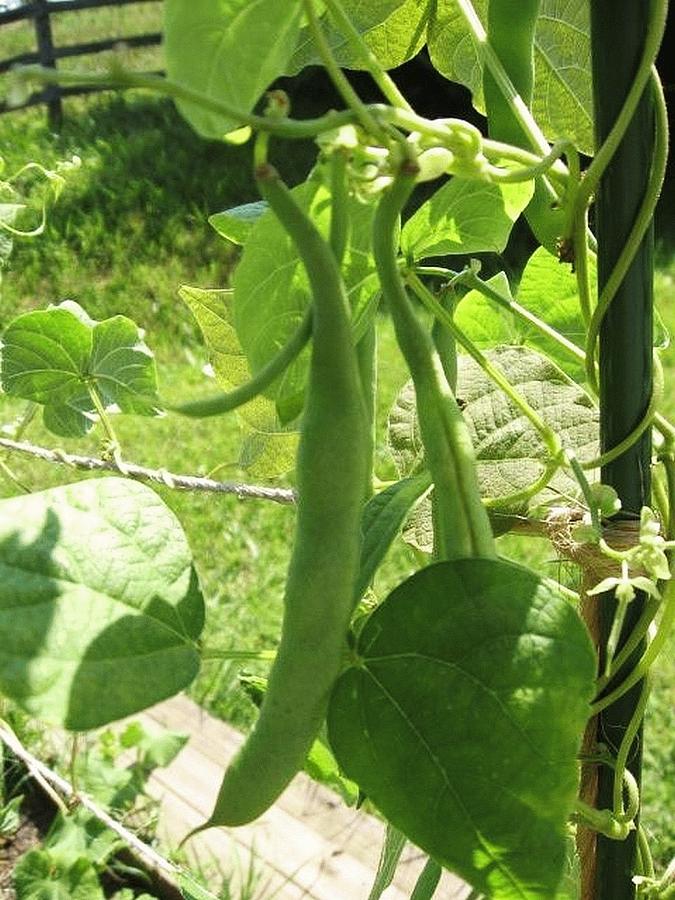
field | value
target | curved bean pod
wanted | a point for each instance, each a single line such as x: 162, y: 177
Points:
x: 319, y: 598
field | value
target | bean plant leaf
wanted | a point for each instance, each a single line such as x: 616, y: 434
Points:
x: 99, y: 602
x: 236, y: 224
x: 383, y: 518
x: 509, y: 452
x: 465, y: 216
x: 268, y: 447
x: 394, y: 30
x: 271, y: 289
x: 562, y: 99
x: 549, y: 289
x: 55, y: 356
x: 209, y: 45
x: 39, y: 876
x: 485, y: 323
x: 507, y: 667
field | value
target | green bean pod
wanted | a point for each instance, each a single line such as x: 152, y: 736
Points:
x: 319, y: 597
x: 218, y: 404
x: 511, y: 34
x: 461, y: 524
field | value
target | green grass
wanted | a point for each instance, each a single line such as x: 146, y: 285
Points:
x: 130, y: 227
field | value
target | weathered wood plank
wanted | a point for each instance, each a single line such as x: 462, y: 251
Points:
x: 308, y: 845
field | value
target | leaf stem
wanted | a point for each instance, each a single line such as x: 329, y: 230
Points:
x: 336, y: 74
x: 380, y: 76
x: 651, y: 653
x: 547, y: 435
x: 208, y: 653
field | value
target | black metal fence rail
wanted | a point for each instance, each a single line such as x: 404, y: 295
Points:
x: 47, y: 54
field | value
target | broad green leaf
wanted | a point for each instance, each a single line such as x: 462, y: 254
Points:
x: 56, y: 356
x: 403, y: 432
x: 548, y: 288
x: 268, y: 447
x: 392, y: 848
x: 485, y: 323
x: 465, y: 216
x: 462, y: 717
x: 38, y: 876
x: 236, y: 224
x: 157, y: 750
x: 509, y: 452
x: 383, y: 518
x: 394, y: 31
x: 100, y: 607
x: 210, y: 47
x: 562, y: 99
x: 271, y: 289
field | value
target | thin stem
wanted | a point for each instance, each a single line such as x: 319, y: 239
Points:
x: 380, y: 76
x: 471, y: 280
x: 208, y: 653
x: 512, y: 97
x: 638, y: 230
x: 336, y: 74
x: 532, y: 171
x: 171, y: 480
x: 636, y: 637
x: 651, y: 653
x: 12, y: 478
x: 222, y: 403
x: 583, y: 483
x: 602, y: 158
x: 620, y: 770
x: 339, y: 209
x: 289, y: 128
x: 645, y: 853
x: 547, y: 435
x: 630, y: 439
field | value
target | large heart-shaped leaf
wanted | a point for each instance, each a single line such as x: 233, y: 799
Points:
x: 100, y: 606
x: 462, y: 717
x: 268, y: 447
x: 210, y: 46
x: 465, y: 216
x: 57, y: 356
x: 562, y: 99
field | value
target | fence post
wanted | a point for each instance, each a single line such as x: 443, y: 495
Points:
x: 45, y: 46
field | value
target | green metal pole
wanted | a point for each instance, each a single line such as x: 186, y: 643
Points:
x: 618, y: 30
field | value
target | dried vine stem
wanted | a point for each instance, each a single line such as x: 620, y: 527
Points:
x: 159, y: 476
x: 65, y: 789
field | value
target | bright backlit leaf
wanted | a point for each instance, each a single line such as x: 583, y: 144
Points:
x: 210, y: 46
x: 394, y: 30
x: 465, y: 216
x: 268, y: 447
x: 100, y: 607
x: 57, y: 356
x: 562, y: 99
x: 462, y: 716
